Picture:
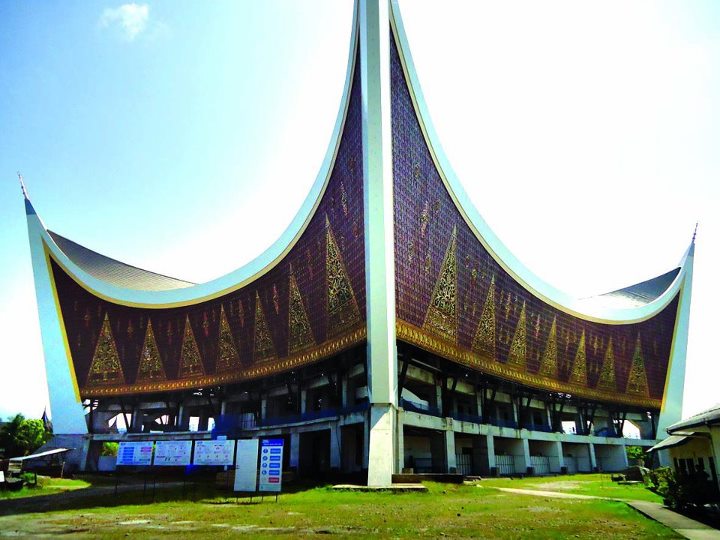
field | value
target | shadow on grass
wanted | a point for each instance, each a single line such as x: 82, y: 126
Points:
x: 142, y: 490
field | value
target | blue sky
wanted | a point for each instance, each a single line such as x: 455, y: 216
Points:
x: 182, y: 137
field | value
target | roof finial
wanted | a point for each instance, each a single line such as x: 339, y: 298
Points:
x: 22, y: 185
x: 695, y: 232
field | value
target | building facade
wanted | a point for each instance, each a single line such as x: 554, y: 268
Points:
x: 387, y: 329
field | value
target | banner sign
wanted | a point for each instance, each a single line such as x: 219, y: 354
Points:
x: 135, y: 453
x: 214, y: 452
x: 271, y: 460
x: 246, y: 465
x: 172, y: 453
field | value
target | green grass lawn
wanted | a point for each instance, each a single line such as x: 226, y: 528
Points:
x: 598, y: 485
x: 445, y: 511
x: 45, y: 486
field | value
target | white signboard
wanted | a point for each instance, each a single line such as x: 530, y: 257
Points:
x: 172, y: 453
x: 214, y: 452
x: 246, y: 465
x: 135, y: 453
x: 271, y: 459
x: 2, y: 477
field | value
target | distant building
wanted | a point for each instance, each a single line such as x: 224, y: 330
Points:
x: 388, y: 328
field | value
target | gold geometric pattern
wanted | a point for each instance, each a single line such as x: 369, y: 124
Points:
x: 518, y: 347
x: 484, y: 341
x: 228, y: 358
x: 151, y: 367
x: 105, y: 367
x: 548, y: 365
x: 190, y: 362
x: 578, y: 375
x: 441, y: 316
x: 263, y: 348
x: 607, y: 373
x: 342, y: 308
x: 300, y: 334
x: 637, y: 379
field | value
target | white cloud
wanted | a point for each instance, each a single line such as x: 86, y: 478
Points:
x: 130, y: 19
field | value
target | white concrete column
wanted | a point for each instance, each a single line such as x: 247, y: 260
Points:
x: 558, y: 450
x: 450, y: 450
x: 335, y: 455
x: 303, y: 401
x: 223, y: 407
x: 439, y: 397
x: 525, y: 446
x: 263, y: 409
x: 491, y: 451
x: 366, y: 443
x: 374, y: 41
x: 478, y: 400
x: 591, y: 453
x: 295, y: 449
x: 400, y: 440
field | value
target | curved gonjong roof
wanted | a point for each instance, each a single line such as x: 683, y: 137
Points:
x: 128, y: 285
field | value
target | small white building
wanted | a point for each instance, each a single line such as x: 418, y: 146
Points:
x: 694, y: 444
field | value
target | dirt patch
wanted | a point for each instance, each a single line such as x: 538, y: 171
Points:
x: 555, y: 486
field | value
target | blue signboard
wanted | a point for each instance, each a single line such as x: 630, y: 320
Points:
x: 271, y: 459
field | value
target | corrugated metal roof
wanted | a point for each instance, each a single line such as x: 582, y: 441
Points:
x: 672, y: 440
x: 636, y: 295
x: 710, y: 416
x: 113, y: 271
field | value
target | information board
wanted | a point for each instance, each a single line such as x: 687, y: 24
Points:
x: 214, y: 452
x: 246, y: 465
x: 135, y: 453
x: 172, y: 453
x: 271, y: 459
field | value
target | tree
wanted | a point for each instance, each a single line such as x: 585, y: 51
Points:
x: 22, y: 436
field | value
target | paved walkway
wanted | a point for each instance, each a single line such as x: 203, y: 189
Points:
x: 684, y: 526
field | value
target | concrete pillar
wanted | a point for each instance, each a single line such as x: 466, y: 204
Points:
x: 478, y: 400
x: 450, y: 450
x: 263, y: 409
x: 438, y: 397
x: 525, y: 447
x: 516, y: 417
x: 591, y: 453
x: 344, y: 391
x: 183, y: 419
x: 303, y: 401
x: 366, y: 443
x: 400, y: 441
x: 491, y: 451
x: 295, y: 449
x: 137, y: 420
x: 335, y: 455
x: 223, y: 407
x: 558, y: 452
x: 382, y: 453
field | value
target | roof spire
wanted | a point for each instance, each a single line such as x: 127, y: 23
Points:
x: 22, y: 185
x: 695, y: 232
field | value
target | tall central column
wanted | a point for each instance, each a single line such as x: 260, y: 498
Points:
x: 374, y: 20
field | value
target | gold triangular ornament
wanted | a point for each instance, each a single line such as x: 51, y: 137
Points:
x: 518, y: 345
x: 441, y: 316
x: 484, y: 341
x: 228, y: 357
x: 578, y: 375
x: 342, y: 308
x: 263, y: 348
x: 606, y: 381
x: 548, y: 364
x: 105, y: 368
x: 151, y: 366
x: 299, y: 331
x: 637, y: 379
x: 190, y: 362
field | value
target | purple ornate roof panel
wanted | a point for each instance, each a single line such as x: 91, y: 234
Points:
x: 306, y: 308
x: 454, y: 299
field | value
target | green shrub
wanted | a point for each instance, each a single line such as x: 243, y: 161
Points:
x: 109, y: 449
x: 682, y: 491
